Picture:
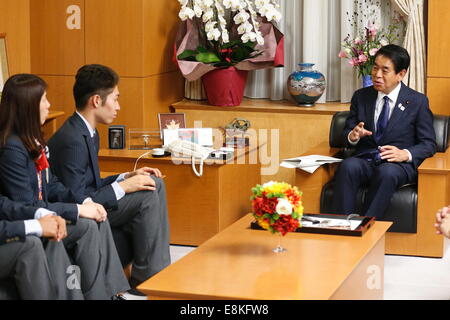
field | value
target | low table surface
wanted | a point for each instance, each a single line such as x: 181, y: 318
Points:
x: 238, y: 263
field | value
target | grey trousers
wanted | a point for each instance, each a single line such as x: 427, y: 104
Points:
x: 60, y: 266
x: 143, y: 217
x: 96, y: 262
x: 36, y: 273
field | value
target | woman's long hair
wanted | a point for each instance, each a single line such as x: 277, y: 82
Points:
x: 20, y: 112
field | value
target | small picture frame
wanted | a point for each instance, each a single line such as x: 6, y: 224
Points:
x: 4, y: 70
x: 116, y: 136
x: 171, y: 121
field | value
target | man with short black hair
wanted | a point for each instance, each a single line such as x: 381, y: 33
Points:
x: 136, y: 200
x: 391, y: 127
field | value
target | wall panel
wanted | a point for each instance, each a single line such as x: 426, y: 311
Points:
x: 438, y: 73
x: 114, y: 35
x: 438, y: 38
x: 160, y: 28
x: 56, y: 49
x: 60, y: 95
x: 133, y: 37
x: 15, y: 22
x: 439, y: 95
x: 158, y: 97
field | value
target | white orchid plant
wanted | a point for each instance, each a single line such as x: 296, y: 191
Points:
x: 230, y: 29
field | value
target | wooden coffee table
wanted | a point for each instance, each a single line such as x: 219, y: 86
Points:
x: 238, y: 263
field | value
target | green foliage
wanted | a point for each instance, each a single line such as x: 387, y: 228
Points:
x: 222, y: 56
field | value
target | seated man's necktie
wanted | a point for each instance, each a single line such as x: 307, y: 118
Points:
x: 383, y: 119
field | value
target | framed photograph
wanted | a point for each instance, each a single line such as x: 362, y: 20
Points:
x: 171, y: 121
x: 116, y: 136
x: 4, y: 71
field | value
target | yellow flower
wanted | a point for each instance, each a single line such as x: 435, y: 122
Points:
x: 263, y: 223
x: 299, y: 209
x: 276, y: 187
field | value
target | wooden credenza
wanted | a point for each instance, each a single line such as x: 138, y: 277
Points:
x: 438, y: 64
x: 287, y: 129
x: 198, y: 207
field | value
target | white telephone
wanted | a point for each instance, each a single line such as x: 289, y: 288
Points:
x: 182, y: 148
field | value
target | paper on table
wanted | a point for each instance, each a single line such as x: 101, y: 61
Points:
x: 332, y: 223
x: 308, y: 163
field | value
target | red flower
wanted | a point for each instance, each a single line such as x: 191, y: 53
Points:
x: 262, y: 205
x: 285, y: 224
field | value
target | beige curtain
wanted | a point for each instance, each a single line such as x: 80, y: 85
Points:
x: 412, y: 11
x: 312, y: 30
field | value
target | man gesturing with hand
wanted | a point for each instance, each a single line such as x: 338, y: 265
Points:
x: 391, y: 128
x: 358, y: 132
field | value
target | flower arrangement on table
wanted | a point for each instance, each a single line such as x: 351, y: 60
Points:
x: 362, y: 49
x: 277, y: 207
x: 228, y: 34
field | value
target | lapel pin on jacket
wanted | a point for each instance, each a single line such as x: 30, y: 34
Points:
x: 401, y: 107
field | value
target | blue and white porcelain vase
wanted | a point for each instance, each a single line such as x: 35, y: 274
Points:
x: 306, y: 86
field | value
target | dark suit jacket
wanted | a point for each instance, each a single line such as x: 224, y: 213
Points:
x: 16, y: 213
x: 74, y: 159
x: 12, y: 210
x: 410, y: 129
x: 19, y: 182
x: 11, y: 231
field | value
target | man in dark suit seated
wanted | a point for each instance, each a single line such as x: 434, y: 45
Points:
x: 391, y: 127
x: 38, y: 268
x: 136, y: 200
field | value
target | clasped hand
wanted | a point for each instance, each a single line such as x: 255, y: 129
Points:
x: 145, y: 171
x: 92, y: 210
x: 140, y: 180
x: 53, y: 227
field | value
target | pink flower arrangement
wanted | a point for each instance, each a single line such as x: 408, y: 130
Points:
x: 361, y: 51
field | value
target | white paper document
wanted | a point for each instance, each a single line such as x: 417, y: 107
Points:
x: 331, y: 223
x: 308, y: 163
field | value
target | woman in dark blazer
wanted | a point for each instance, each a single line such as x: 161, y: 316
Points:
x: 25, y: 177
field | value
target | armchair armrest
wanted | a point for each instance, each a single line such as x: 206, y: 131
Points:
x: 311, y: 184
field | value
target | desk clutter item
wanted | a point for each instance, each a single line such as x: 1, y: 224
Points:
x: 235, y: 133
x: 331, y: 224
x: 201, y: 136
x: 142, y: 139
x: 221, y: 154
x: 160, y: 153
x: 116, y: 137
